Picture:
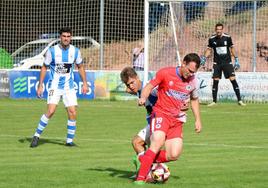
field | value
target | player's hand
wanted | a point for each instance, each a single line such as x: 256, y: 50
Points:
x: 198, y: 126
x: 203, y: 60
x: 236, y: 64
x: 85, y: 89
x: 141, y: 101
x: 39, y: 91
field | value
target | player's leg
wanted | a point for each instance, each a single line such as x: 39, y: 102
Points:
x: 159, y: 126
x: 173, y: 144
x: 216, y: 78
x: 229, y: 73
x: 70, y: 102
x: 157, y: 141
x: 173, y: 148
x: 52, y: 101
x: 138, y: 145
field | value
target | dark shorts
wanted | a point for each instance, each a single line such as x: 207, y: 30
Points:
x: 227, y: 69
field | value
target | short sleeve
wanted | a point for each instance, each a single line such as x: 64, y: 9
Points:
x: 194, y: 93
x: 159, y: 77
x: 210, y: 43
x: 48, y: 56
x: 230, y: 42
x: 78, y: 59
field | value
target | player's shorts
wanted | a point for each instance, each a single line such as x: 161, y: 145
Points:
x: 144, y: 134
x: 169, y: 125
x: 226, y: 68
x: 68, y: 97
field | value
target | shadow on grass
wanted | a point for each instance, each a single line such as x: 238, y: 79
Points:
x: 42, y: 141
x: 121, y: 173
x: 114, y: 172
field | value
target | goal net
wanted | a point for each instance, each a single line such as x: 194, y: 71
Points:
x: 174, y: 28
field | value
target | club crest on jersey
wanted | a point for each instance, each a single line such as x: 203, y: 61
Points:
x: 225, y: 43
x: 188, y: 87
x: 158, y: 126
x: 171, y: 83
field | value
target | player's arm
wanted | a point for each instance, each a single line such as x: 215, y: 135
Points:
x: 82, y: 73
x: 41, y: 80
x: 233, y: 53
x: 207, y: 54
x: 196, y: 111
x: 208, y: 51
x: 145, y: 93
x: 232, y: 49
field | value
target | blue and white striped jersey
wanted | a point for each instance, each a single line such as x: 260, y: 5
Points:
x: 61, y: 63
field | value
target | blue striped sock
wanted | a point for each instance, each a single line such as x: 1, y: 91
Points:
x: 71, y: 127
x: 42, y: 125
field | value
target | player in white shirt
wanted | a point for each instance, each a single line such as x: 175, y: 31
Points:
x: 61, y: 59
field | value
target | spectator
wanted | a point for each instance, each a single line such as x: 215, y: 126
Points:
x: 138, y: 58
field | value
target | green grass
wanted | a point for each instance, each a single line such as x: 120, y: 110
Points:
x: 231, y: 152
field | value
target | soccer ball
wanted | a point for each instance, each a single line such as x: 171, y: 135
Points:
x: 159, y: 173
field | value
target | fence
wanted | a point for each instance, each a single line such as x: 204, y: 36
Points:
x: 118, y: 26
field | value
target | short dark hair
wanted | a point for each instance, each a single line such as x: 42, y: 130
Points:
x: 219, y: 24
x: 192, y: 57
x: 126, y: 73
x: 65, y: 30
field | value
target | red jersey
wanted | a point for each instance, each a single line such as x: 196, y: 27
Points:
x: 173, y: 91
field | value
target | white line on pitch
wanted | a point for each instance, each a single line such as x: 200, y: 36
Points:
x: 128, y: 141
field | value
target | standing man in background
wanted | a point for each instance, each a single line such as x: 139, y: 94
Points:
x: 61, y: 59
x: 138, y: 58
x: 223, y: 48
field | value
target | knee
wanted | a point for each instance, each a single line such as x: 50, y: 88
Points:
x: 50, y: 113
x: 137, y: 142
x: 173, y: 156
x: 72, y: 113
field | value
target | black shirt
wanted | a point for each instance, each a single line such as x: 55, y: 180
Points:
x: 221, y: 46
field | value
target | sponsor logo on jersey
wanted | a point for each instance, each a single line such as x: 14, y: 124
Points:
x: 177, y: 94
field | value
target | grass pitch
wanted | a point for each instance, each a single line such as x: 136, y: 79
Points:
x: 231, y: 151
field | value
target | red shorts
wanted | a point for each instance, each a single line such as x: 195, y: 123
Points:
x: 169, y: 125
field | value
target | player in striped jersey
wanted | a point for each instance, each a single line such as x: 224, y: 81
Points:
x: 60, y: 59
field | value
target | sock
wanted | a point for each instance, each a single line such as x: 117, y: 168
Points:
x: 236, y: 89
x: 161, y: 157
x: 146, y: 163
x: 71, y: 127
x: 42, y: 125
x: 215, y: 90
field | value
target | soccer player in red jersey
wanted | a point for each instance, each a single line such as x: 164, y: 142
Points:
x: 175, y: 85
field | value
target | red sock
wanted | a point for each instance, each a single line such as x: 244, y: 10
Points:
x: 146, y: 163
x: 161, y: 157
